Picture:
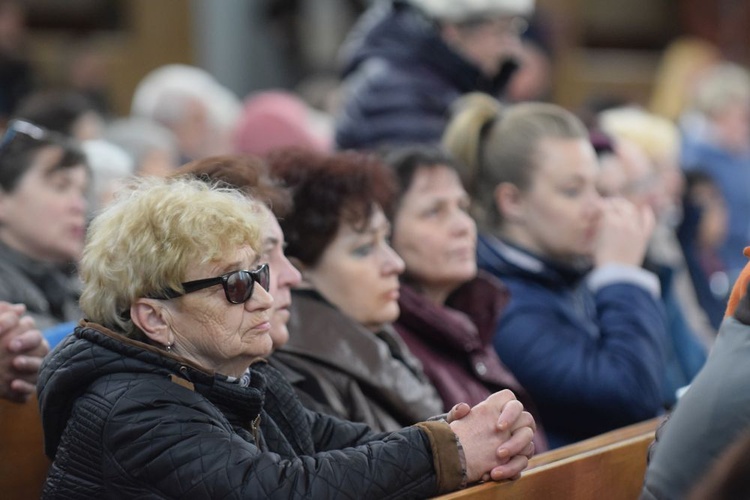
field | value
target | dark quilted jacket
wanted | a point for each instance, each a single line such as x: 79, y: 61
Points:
x: 125, y: 420
x: 400, y: 79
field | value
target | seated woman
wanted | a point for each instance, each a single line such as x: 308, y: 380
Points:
x: 250, y: 175
x: 340, y: 332
x: 156, y: 393
x: 584, y: 321
x: 448, y: 309
x: 43, y: 182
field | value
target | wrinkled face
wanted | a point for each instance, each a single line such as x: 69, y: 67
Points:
x: 559, y: 215
x: 217, y: 334
x: 488, y: 44
x: 284, y: 276
x: 433, y: 232
x: 358, y: 272
x: 45, y: 215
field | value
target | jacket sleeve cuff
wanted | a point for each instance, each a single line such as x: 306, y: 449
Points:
x: 447, y: 456
x: 611, y: 274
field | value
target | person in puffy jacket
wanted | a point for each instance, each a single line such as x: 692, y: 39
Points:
x: 44, y: 178
x: 405, y: 62
x: 160, y: 391
x: 584, y: 322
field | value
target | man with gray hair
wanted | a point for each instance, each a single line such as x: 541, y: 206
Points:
x: 406, y: 61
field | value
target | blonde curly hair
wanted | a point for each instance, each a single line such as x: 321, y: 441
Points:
x: 153, y: 232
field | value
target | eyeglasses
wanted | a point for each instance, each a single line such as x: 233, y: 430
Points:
x: 33, y: 131
x: 238, y: 285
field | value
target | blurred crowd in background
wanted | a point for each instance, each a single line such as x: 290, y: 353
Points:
x: 662, y: 160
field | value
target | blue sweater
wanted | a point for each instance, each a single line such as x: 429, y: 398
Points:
x: 589, y: 353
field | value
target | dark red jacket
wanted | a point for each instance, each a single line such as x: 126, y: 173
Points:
x: 454, y: 343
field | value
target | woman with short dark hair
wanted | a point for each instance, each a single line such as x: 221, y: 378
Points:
x: 340, y: 332
x: 43, y: 183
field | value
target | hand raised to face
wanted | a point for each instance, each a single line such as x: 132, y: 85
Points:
x: 624, y: 232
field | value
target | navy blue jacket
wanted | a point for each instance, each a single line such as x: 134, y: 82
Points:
x: 400, y: 79
x: 589, y: 353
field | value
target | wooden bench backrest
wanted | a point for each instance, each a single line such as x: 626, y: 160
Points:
x: 610, y: 467
x: 23, y: 465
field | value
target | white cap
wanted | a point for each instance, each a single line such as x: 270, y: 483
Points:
x: 461, y: 10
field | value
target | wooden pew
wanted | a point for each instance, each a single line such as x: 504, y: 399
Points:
x: 23, y: 465
x: 610, y: 466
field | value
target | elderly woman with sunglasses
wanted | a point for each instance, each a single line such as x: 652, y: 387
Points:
x: 156, y: 393
x: 43, y: 182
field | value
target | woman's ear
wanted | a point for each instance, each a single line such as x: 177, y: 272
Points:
x: 509, y: 201
x: 150, y: 316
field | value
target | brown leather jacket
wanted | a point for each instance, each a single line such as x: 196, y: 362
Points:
x: 352, y: 372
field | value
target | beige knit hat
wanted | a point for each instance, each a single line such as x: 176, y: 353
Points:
x: 461, y: 10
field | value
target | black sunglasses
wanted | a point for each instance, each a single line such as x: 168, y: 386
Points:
x: 238, y: 285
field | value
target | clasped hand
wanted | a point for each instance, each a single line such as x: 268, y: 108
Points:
x: 22, y: 348
x: 496, y: 436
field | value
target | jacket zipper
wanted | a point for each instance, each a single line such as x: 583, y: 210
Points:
x: 255, y: 430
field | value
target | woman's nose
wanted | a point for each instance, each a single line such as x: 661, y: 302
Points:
x: 393, y: 262
x: 260, y: 300
x: 463, y: 223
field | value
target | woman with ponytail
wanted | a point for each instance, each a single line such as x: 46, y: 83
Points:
x: 583, y: 330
